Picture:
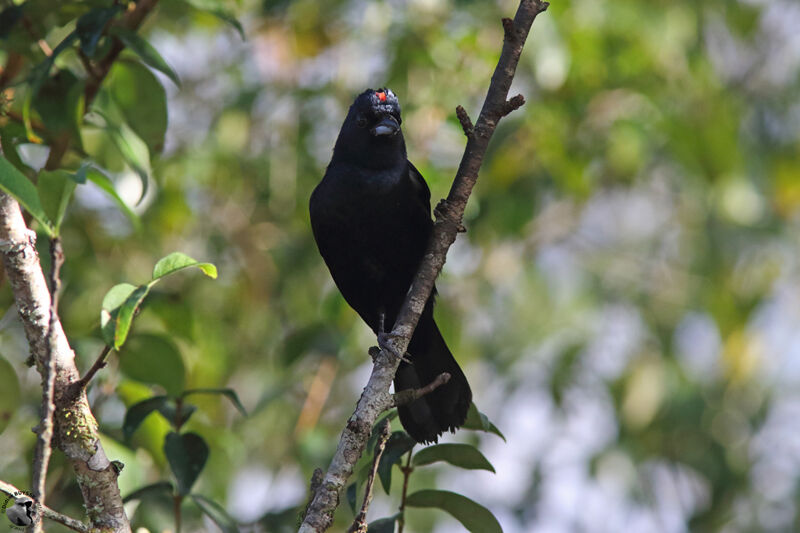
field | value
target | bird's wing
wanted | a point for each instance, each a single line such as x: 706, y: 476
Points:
x: 423, y: 192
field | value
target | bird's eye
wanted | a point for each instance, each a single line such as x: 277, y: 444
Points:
x: 361, y: 121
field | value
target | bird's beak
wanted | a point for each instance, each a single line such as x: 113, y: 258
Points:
x: 387, y: 126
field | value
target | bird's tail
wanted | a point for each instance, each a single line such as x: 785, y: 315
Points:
x: 444, y: 409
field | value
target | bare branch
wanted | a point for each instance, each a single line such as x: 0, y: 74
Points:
x: 41, y: 456
x: 407, y: 396
x: 375, y: 397
x: 360, y: 523
x: 75, y: 525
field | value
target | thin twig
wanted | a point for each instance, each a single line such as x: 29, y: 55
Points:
x: 41, y: 458
x: 360, y: 523
x: 75, y: 525
x: 375, y: 397
x: 99, y: 363
x: 405, y: 397
x: 176, y: 509
x: 407, y: 469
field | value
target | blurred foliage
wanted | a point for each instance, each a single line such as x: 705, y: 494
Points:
x: 624, y: 303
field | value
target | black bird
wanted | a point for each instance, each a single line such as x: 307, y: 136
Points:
x: 371, y: 218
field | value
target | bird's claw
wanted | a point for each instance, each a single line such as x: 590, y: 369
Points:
x: 383, y: 342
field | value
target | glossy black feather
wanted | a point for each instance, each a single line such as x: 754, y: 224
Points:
x: 371, y: 219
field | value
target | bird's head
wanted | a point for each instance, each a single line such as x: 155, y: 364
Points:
x: 372, y: 129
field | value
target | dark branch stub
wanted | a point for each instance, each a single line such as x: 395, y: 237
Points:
x: 508, y: 28
x: 512, y: 105
x: 407, y: 396
x: 466, y: 123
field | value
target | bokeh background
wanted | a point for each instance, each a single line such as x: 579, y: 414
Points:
x: 625, y: 302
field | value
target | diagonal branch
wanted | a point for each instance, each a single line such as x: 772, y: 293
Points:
x: 375, y: 398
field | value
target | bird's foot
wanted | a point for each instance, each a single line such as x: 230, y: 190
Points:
x: 385, y: 344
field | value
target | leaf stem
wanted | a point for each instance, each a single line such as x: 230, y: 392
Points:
x: 407, y: 469
x: 176, y: 506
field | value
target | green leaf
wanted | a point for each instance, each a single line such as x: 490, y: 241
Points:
x: 125, y: 313
x: 91, y: 25
x: 14, y: 182
x: 480, y: 422
x: 12, y: 134
x: 352, y: 494
x: 187, y: 455
x: 102, y: 181
x: 178, y: 261
x: 473, y: 516
x: 55, y: 191
x: 117, y: 295
x: 137, y: 412
x: 39, y: 74
x: 9, y: 384
x: 160, y: 490
x: 145, y: 51
x: 461, y: 455
x: 133, y: 94
x: 399, y: 444
x: 60, y: 103
x: 154, y: 359
x: 113, y: 299
x: 216, y: 8
x: 133, y: 150
x: 383, y: 525
x: 229, y: 393
x: 216, y: 513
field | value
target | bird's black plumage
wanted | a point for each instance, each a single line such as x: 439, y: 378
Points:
x: 371, y: 219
